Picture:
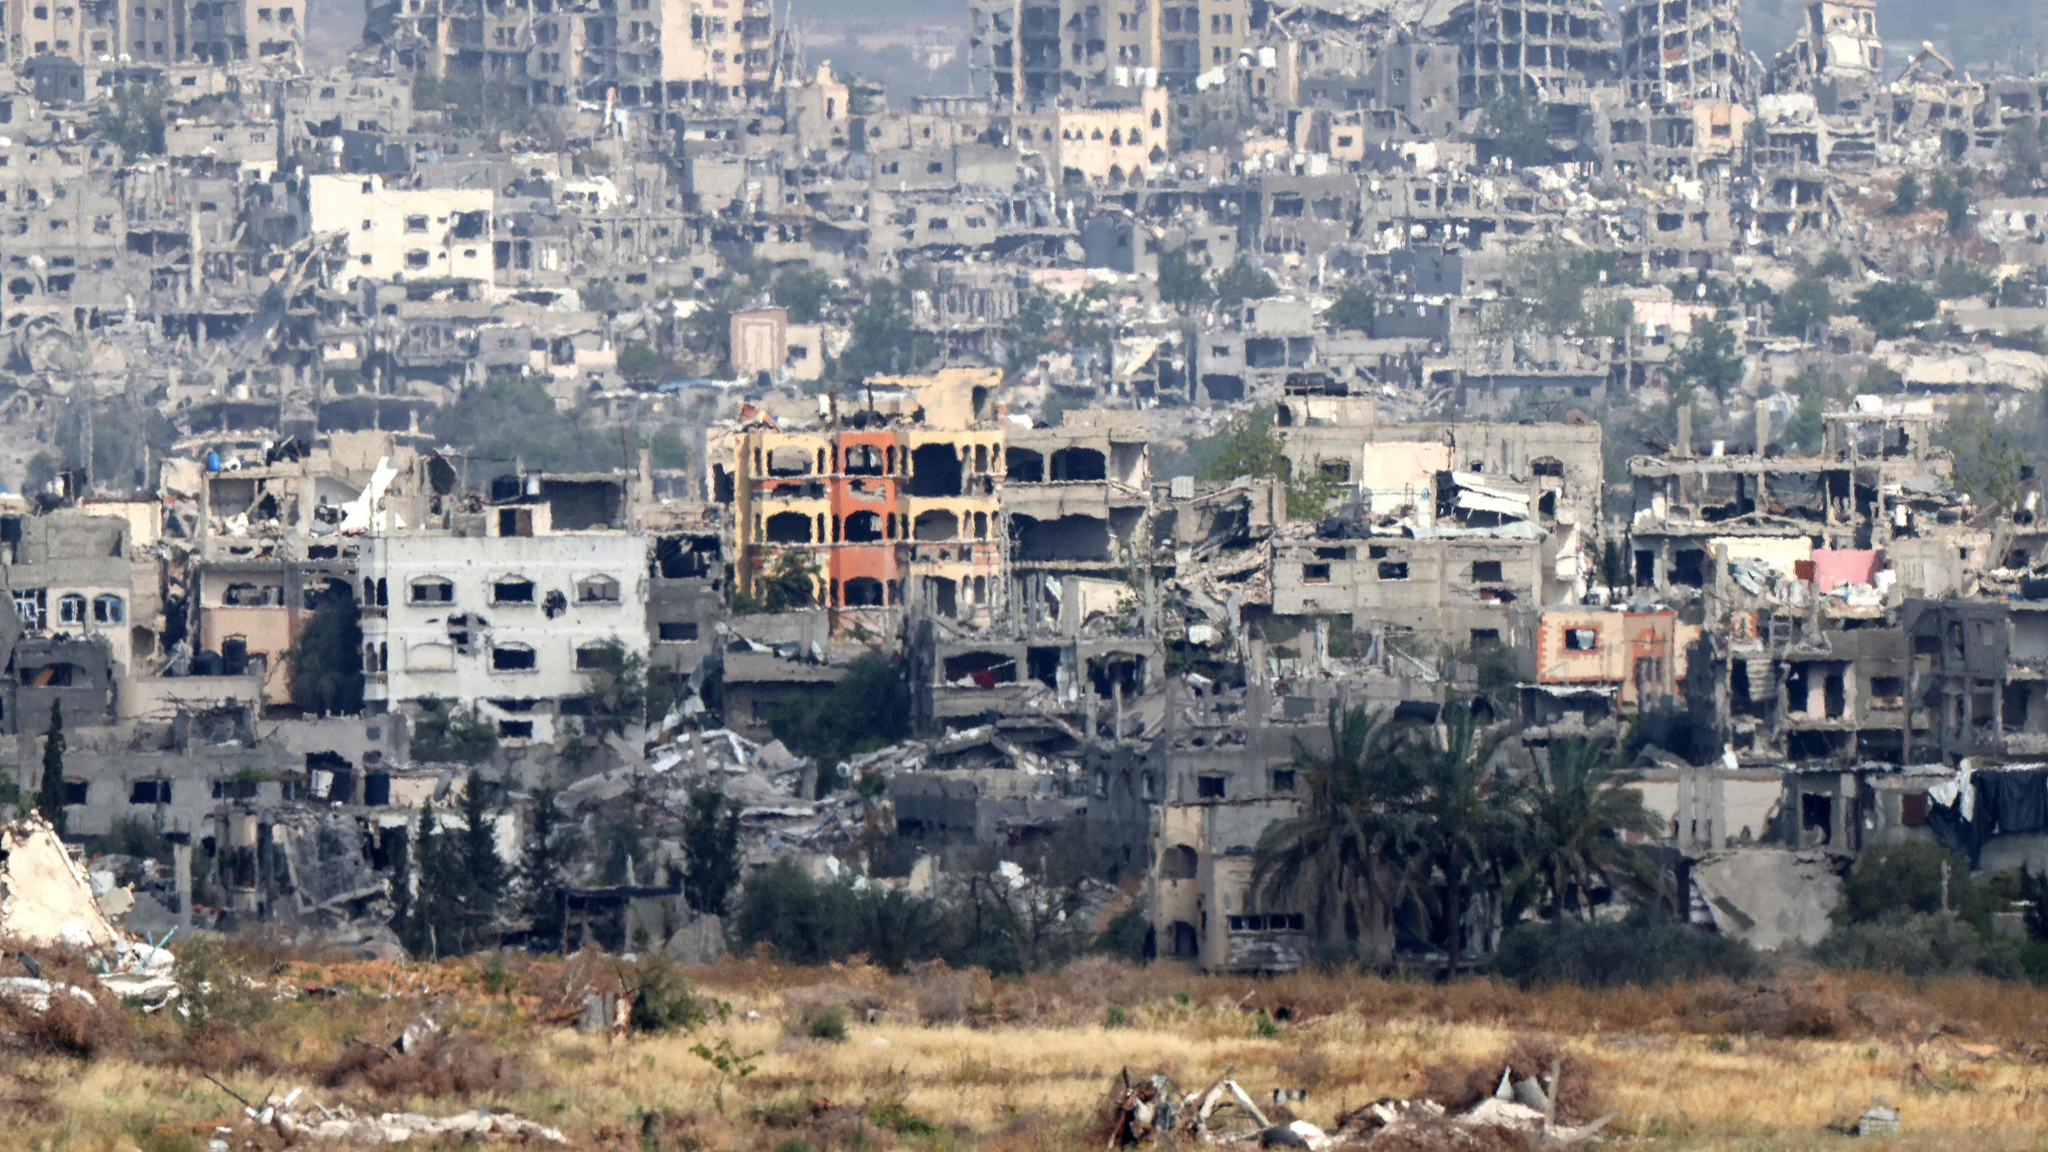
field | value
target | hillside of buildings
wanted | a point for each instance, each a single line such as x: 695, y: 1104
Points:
x: 1375, y: 515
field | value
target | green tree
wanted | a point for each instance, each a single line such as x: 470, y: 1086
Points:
x: 865, y: 709
x: 445, y: 734
x: 707, y: 331
x: 1894, y: 308
x: 1950, y: 192
x: 326, y: 662
x: 509, y: 418
x: 1709, y: 359
x: 1582, y: 806
x: 1243, y: 281
x: 803, y: 920
x: 1183, y: 284
x: 1518, y: 129
x: 484, y: 874
x: 1808, y: 424
x: 622, y: 690
x: 1833, y: 266
x: 404, y: 899
x: 1805, y: 308
x: 1917, y: 876
x: 133, y: 120
x: 788, y: 581
x: 417, y: 929
x: 1551, y: 290
x: 1354, y: 310
x: 50, y: 797
x: 1469, y: 821
x: 1906, y: 195
x: 1029, y: 333
x: 1248, y: 444
x: 886, y: 341
x: 1079, y: 323
x: 802, y: 291
x: 1989, y: 461
x: 2023, y: 152
x: 711, y: 852
x: 1959, y: 279
x: 1346, y: 858
x: 541, y: 865
x: 639, y: 361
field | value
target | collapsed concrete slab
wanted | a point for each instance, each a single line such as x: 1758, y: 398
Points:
x: 45, y: 897
x: 1769, y: 898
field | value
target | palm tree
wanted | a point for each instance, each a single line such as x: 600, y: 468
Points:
x: 1348, y: 853
x: 1582, y: 804
x: 1469, y: 819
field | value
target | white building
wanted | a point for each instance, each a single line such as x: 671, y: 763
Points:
x: 404, y: 233
x: 507, y: 622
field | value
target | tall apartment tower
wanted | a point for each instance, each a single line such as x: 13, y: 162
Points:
x: 1030, y: 53
x: 1677, y: 50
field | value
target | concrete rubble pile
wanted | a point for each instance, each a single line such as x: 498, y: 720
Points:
x: 47, y: 903
x: 1150, y: 1111
x: 298, y: 1121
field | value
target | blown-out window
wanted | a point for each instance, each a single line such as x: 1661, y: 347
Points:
x: 431, y: 590
x: 597, y: 590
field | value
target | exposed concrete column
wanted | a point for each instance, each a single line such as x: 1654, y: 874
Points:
x: 1845, y: 822
x: 181, y: 871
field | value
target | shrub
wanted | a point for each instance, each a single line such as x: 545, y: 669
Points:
x: 895, y: 1116
x: 1916, y: 945
x: 1906, y: 879
x: 663, y: 999
x: 825, y: 1022
x: 1640, y: 950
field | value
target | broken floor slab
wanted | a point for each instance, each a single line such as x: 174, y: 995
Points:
x: 1769, y: 897
x: 45, y: 897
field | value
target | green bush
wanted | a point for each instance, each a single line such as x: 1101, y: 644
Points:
x: 1907, y: 878
x: 663, y: 1000
x: 445, y: 734
x: 895, y: 1116
x: 1640, y: 950
x: 824, y: 1022
x: 135, y: 836
x: 1916, y: 945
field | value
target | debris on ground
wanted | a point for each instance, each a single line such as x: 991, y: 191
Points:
x: 1149, y: 1110
x: 317, y: 1124
x: 1878, y: 1120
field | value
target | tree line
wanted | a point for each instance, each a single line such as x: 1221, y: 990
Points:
x: 1411, y: 826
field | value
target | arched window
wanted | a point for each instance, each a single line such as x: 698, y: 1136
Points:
x: 512, y: 590
x: 427, y: 656
x: 108, y: 609
x: 71, y: 609
x: 864, y: 528
x: 513, y: 658
x: 430, y: 590
x: 597, y: 590
x: 1177, y: 863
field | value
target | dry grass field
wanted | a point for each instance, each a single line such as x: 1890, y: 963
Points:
x: 938, y: 1060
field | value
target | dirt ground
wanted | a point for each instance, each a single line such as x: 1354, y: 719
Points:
x: 849, y: 1056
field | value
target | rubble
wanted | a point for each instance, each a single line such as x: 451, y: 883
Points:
x: 1149, y: 1111
x: 312, y: 1123
x: 46, y: 899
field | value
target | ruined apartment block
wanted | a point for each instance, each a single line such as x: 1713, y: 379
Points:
x: 895, y: 501
x: 512, y: 617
